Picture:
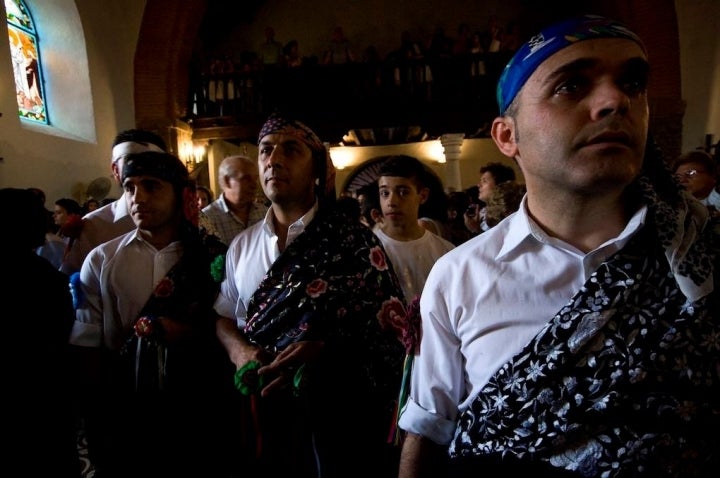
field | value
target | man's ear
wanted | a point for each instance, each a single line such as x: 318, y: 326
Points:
x: 503, y: 133
x: 117, y: 174
x: 225, y: 184
x: 424, y: 194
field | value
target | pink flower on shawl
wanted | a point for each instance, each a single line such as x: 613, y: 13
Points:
x: 404, y: 321
x: 164, y: 288
x: 413, y: 326
x: 316, y: 288
x: 377, y: 258
x: 392, y: 314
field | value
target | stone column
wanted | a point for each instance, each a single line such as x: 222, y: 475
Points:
x: 452, y: 143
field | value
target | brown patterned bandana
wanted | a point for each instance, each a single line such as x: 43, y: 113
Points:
x: 277, y: 124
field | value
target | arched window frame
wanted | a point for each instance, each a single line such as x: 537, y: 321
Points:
x: 24, y: 45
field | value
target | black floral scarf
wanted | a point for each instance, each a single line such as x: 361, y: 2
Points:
x: 625, y: 379
x: 185, y: 295
x: 332, y: 283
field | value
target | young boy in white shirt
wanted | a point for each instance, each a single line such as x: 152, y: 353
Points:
x: 412, y: 249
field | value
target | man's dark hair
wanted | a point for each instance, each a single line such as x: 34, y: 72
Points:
x: 70, y: 205
x: 349, y: 206
x: 697, y: 156
x: 371, y: 200
x: 500, y: 172
x: 140, y: 136
x: 404, y: 166
x: 25, y: 211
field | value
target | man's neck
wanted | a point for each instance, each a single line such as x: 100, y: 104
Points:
x: 240, y: 209
x: 583, y: 222
x: 284, y: 217
x: 408, y: 232
x: 160, y: 238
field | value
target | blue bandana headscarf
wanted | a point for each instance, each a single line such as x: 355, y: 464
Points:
x: 548, y: 42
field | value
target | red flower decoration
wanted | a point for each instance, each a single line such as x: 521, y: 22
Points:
x: 144, y: 327
x: 377, y: 258
x: 73, y: 227
x: 412, y: 332
x: 164, y: 288
x: 316, y: 288
x: 392, y: 314
x: 405, y: 322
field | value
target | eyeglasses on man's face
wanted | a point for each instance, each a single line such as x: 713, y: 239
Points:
x: 689, y: 174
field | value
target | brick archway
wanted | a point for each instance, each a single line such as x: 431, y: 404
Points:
x: 167, y: 36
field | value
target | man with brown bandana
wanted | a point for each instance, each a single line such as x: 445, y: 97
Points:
x: 580, y: 336
x: 305, y: 314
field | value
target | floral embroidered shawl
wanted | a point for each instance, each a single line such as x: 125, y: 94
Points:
x: 333, y: 283
x: 625, y: 379
x: 185, y: 295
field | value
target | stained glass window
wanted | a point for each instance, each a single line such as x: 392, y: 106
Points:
x: 26, y: 62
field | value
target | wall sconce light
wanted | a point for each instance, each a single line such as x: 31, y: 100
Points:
x: 200, y: 153
x: 192, y: 155
x: 341, y: 156
x: 434, y: 150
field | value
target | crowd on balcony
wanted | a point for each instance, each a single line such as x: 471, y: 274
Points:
x: 440, y: 68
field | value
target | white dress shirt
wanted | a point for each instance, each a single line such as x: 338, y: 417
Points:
x: 482, y: 303
x: 713, y: 199
x: 248, y: 258
x: 118, y: 278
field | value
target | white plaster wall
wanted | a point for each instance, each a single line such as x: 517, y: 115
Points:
x: 97, y: 101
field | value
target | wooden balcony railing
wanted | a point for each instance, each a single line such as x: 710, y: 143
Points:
x: 455, y: 94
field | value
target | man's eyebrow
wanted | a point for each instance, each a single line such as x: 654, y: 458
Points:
x: 586, y: 63
x: 291, y: 142
x: 571, y: 67
x: 142, y: 179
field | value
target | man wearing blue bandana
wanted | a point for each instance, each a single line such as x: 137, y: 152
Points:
x: 579, y: 336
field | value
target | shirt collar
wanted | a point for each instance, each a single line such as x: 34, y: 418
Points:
x: 296, y: 228
x: 223, y: 204
x: 519, y: 229
x: 121, y: 208
x: 136, y: 237
x: 522, y: 227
